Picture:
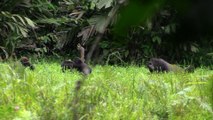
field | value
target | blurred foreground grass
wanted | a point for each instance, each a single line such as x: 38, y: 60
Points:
x: 109, y: 93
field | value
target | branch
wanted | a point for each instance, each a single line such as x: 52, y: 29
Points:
x: 100, y: 35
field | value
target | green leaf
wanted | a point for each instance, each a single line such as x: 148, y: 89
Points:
x: 30, y: 22
x: 10, y: 25
x: 21, y: 19
x: 194, y: 48
x: 99, y: 22
x: 210, y: 54
x: 14, y: 19
x: 106, y: 3
x: 167, y: 29
x: 6, y: 14
x: 23, y: 31
x: 156, y: 39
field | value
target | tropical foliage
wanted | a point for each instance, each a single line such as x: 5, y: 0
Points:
x: 122, y: 30
x: 122, y: 33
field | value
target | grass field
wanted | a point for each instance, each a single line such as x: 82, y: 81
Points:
x: 109, y: 93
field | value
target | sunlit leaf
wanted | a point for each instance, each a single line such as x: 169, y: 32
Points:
x: 30, y: 22
x: 6, y: 14
x: 14, y: 19
x: 156, y: 39
x: 104, y: 3
x: 11, y: 25
x: 210, y: 54
x: 23, y: 31
x: 194, y: 48
x: 20, y: 18
x: 99, y: 22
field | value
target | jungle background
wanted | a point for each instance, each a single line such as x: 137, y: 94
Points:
x: 119, y: 36
x: 112, y: 31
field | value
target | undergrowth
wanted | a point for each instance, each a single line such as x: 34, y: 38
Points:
x: 109, y: 93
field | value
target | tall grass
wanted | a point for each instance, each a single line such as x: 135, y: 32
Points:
x: 109, y: 93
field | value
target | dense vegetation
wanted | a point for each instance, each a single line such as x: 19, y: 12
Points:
x: 110, y: 92
x: 111, y: 30
x: 119, y: 37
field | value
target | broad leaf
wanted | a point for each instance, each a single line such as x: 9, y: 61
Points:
x: 104, y: 3
x: 30, y: 22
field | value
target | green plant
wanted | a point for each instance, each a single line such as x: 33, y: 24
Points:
x: 13, y: 28
x: 110, y: 92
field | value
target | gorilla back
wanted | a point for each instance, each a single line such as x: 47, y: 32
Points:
x: 160, y: 65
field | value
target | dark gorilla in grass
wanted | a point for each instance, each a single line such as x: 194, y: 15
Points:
x: 82, y: 67
x: 78, y: 64
x: 160, y: 65
x: 25, y: 62
x: 67, y: 64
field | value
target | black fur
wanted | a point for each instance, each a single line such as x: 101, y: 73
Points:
x: 25, y: 62
x: 158, y: 65
x: 77, y: 64
x: 67, y: 64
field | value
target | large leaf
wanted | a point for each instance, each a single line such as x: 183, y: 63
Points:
x: 23, y: 31
x: 30, y: 22
x: 104, y: 3
x: 99, y: 22
x: 16, y: 23
x: 56, y: 21
x: 20, y: 18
